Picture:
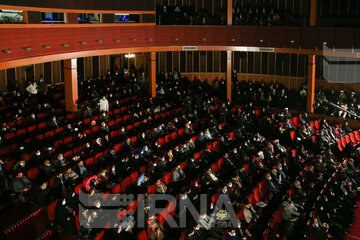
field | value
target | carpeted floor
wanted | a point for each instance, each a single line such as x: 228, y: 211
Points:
x: 354, y: 232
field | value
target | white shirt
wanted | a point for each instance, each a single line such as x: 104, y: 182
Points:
x: 104, y: 105
x: 32, y: 88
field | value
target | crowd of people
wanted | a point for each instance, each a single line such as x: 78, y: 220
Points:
x: 187, y: 15
x: 247, y: 15
x: 348, y: 107
x: 252, y: 141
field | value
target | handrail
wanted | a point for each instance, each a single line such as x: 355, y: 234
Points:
x: 341, y: 109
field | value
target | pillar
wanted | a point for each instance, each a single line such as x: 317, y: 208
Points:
x: 229, y: 12
x: 228, y: 75
x: 71, y: 84
x: 152, y: 75
x: 311, y: 84
x: 313, y: 10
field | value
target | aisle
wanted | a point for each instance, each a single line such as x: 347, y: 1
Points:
x: 354, y: 232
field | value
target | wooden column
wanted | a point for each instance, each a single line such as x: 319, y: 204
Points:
x: 25, y: 17
x: 229, y: 12
x: 71, y: 84
x: 152, y: 74
x: 311, y: 84
x: 228, y: 75
x: 313, y: 10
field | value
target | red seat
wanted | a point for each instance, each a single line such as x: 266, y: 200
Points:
x: 33, y: 173
x: 220, y: 162
x: 352, y: 138
x: 357, y: 136
x: 49, y: 134
x: 31, y: 128
x: 77, y: 188
x: 98, y: 155
x: 214, y: 167
x: 60, y: 129
x: 152, y: 189
x: 134, y: 176
x: 174, y: 135
x: 167, y: 138
x: 129, y: 127
x: 161, y: 141
x: 68, y: 140
x: 9, y: 136
x: 317, y: 124
x: 58, y: 143
x: 168, y: 178
x: 125, y: 183
x: 292, y: 135
x: 20, y: 132
x: 181, y: 131
x: 132, y: 206
x: 89, y: 161
x: 232, y: 135
x: 51, y: 210
x: 95, y: 129
x: 77, y: 149
x: 116, y: 188
x: 197, y: 155
x: 99, y: 235
x: 68, y: 154
x: 295, y: 121
x: 114, y: 134
x: 143, y: 235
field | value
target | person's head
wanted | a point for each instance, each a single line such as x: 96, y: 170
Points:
x: 43, y: 186
x: 268, y: 176
x: 60, y: 156
x: 19, y: 175
x: 68, y: 170
x: 47, y: 162
x: 22, y: 163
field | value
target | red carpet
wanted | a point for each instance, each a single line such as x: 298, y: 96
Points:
x: 354, y: 232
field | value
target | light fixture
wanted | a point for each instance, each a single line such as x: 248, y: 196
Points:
x: 292, y: 41
x: 100, y: 41
x: 82, y: 42
x: 130, y: 55
x: 233, y: 39
x: 117, y: 40
x: 134, y: 39
x: 204, y: 39
x: 150, y: 39
x: 176, y: 39
x: 66, y: 45
x: 324, y: 43
x: 47, y: 46
x: 27, y: 48
x: 261, y: 40
x: 7, y: 51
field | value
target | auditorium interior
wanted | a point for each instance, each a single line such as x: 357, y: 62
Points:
x: 241, y: 117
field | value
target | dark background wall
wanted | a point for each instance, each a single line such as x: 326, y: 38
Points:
x: 148, y: 5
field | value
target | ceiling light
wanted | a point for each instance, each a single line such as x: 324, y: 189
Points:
x: 7, y: 51
x: 82, y: 42
x: 66, y: 45
x: 261, y: 40
x: 100, y: 41
x: 27, y: 48
x: 117, y: 40
x: 46, y: 46
x: 134, y: 39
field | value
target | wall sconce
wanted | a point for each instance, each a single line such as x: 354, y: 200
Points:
x: 82, y: 42
x: 324, y: 43
x: 134, y: 39
x: 117, y: 40
x: 7, y: 51
x: 204, y: 39
x: 176, y: 39
x: 27, y: 48
x: 100, y: 41
x: 66, y: 45
x: 261, y: 40
x: 47, y: 46
x: 233, y: 39
x: 150, y: 39
x: 292, y: 41
x: 130, y: 55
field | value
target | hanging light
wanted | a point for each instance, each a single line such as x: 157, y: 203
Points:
x: 130, y: 55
